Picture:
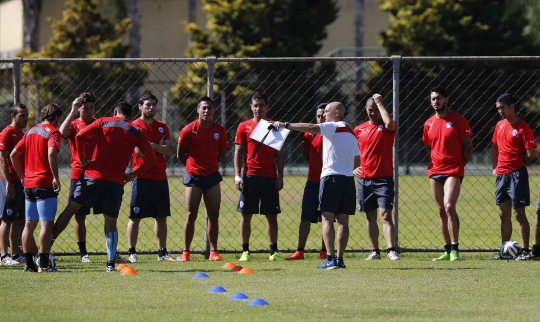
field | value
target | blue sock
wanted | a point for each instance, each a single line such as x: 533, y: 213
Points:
x: 111, y: 241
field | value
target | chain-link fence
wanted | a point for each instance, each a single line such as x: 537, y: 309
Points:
x: 295, y: 86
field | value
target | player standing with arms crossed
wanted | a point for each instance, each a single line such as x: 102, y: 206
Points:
x: 261, y: 181
x: 447, y: 136
x: 201, y: 146
x: 375, y: 182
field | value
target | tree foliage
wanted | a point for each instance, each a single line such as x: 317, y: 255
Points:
x: 84, y: 33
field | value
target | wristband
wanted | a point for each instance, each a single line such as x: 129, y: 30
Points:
x: 287, y: 124
x: 238, y: 179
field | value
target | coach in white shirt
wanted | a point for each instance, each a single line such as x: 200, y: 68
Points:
x: 337, y: 193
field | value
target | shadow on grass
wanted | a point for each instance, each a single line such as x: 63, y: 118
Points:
x: 426, y: 268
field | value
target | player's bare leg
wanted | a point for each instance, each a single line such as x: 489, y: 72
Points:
x: 5, y: 228
x: 80, y: 228
x: 45, y: 234
x: 15, y: 237
x: 388, y: 226
x: 272, y: 228
x: 29, y: 243
x: 212, y: 200
x: 329, y: 234
x: 64, y: 218
x: 133, y: 231
x: 505, y: 214
x: 372, y: 228
x: 343, y: 233
x: 536, y: 245
x: 437, y: 189
x: 452, y: 189
x: 303, y: 233
x: 524, y: 226
x: 160, y: 230
x: 193, y: 200
x: 245, y: 227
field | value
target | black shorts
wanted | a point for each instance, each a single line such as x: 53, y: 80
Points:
x: 104, y: 195
x: 12, y: 209
x: 149, y: 198
x: 513, y: 186
x: 442, y: 178
x: 310, y: 203
x: 337, y: 195
x: 257, y: 190
x: 204, y: 183
x: 375, y: 193
x: 84, y: 210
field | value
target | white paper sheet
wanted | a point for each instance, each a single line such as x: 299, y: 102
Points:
x: 275, y: 139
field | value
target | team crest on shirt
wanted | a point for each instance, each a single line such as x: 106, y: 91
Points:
x: 9, y: 212
x: 380, y: 127
x: 160, y: 129
x: 136, y: 210
x: 514, y: 132
x: 448, y: 125
x: 216, y: 136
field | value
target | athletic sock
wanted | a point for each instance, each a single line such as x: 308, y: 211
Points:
x: 132, y: 250
x: 162, y: 252
x: 273, y: 248
x: 4, y: 257
x: 454, y: 246
x: 300, y: 249
x: 245, y: 247
x: 110, y: 263
x: 30, y: 261
x: 329, y: 257
x: 391, y: 249
x: 339, y: 259
x: 536, y: 250
x: 447, y: 248
x: 111, y: 241
x: 323, y: 247
x: 524, y: 250
x: 377, y: 251
x: 44, y: 260
x: 82, y: 248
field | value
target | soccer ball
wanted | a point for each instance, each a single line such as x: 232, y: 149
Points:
x: 509, y: 250
x: 52, y: 261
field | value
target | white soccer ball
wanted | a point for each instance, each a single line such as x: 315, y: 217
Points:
x: 509, y: 250
x: 52, y: 261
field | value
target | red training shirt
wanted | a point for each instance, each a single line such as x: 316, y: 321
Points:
x: 313, y: 143
x: 513, y: 141
x: 35, y: 146
x: 155, y: 132
x: 115, y: 140
x: 77, y: 170
x: 203, y: 146
x: 444, y: 136
x: 9, y: 137
x: 263, y: 164
x: 375, y: 143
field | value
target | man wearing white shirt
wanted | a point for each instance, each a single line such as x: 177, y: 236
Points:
x: 337, y: 193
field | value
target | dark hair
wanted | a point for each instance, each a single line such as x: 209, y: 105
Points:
x: 205, y: 99
x: 320, y: 106
x: 146, y: 97
x: 87, y: 98
x: 259, y: 96
x: 507, y: 99
x: 439, y: 90
x: 49, y: 113
x: 16, y: 107
x: 124, y: 108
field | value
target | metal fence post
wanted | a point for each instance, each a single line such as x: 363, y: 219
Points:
x: 395, y: 97
x: 17, y: 80
x: 211, y: 61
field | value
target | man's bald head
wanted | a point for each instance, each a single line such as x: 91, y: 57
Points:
x: 334, y: 111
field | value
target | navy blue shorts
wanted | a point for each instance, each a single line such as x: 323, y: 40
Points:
x: 204, y: 183
x: 337, y: 195
x: 375, y: 193
x: 259, y: 191
x: 149, y: 198
x: 104, y: 195
x: 310, y: 202
x: 442, y: 178
x: 84, y: 210
x: 12, y: 209
x: 513, y: 186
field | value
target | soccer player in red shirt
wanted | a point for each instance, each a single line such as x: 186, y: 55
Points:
x: 375, y: 176
x: 84, y: 105
x: 261, y: 181
x: 39, y: 174
x: 312, y: 152
x: 513, y: 145
x: 201, y: 146
x: 447, y: 136
x: 11, y: 189
x: 150, y: 190
x: 104, y: 177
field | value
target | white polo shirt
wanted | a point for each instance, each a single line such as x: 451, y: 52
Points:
x: 339, y: 149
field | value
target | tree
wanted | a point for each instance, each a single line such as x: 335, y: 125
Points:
x: 84, y: 33
x: 458, y: 28
x: 192, y: 16
x: 31, y: 18
x: 257, y: 28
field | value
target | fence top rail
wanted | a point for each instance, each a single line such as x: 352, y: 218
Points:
x: 467, y: 58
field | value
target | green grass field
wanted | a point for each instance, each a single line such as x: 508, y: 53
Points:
x: 418, y: 224
x: 413, y: 289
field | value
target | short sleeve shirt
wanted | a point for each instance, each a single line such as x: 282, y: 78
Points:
x: 75, y: 127
x: 313, y: 143
x: 376, y: 144
x: 340, y: 147
x: 513, y: 141
x: 155, y: 132
x: 9, y: 137
x: 263, y: 164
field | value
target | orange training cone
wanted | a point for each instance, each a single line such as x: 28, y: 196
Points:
x: 128, y: 271
x: 246, y: 270
x: 228, y: 265
x: 122, y: 266
x: 236, y: 268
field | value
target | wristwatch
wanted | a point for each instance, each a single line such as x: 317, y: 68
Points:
x: 287, y: 125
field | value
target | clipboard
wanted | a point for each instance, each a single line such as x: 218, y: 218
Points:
x: 271, y: 138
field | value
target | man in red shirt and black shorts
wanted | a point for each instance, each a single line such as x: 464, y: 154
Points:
x: 150, y: 190
x: 261, y: 182
x: 11, y: 189
x: 201, y: 146
x: 447, y: 136
x: 39, y: 174
x: 104, y: 177
x: 312, y: 152
x: 375, y: 176
x: 513, y: 145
